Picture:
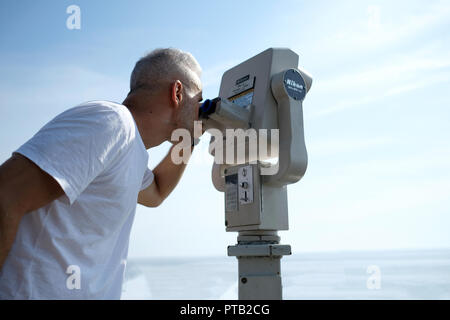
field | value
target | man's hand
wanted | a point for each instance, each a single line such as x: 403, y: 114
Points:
x: 24, y: 187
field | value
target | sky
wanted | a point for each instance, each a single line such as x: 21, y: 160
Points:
x: 376, y: 118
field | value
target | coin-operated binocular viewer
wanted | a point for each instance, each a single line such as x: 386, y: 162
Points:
x: 259, y: 108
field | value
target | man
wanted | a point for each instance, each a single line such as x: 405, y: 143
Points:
x: 68, y: 196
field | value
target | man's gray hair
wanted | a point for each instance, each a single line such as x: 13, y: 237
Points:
x: 163, y: 65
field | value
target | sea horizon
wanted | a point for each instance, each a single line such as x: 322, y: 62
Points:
x: 338, y: 275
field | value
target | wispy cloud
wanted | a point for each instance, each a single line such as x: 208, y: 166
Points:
x: 333, y: 146
x: 393, y: 76
x: 212, y: 76
x: 59, y: 83
x: 381, y: 25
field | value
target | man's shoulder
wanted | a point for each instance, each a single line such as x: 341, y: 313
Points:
x: 103, y: 108
x: 104, y: 113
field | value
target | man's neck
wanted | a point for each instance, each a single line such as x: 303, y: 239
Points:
x: 149, y: 126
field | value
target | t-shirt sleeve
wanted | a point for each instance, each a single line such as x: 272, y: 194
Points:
x: 148, y: 179
x: 77, y: 145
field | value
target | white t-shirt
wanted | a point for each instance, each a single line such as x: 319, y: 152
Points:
x: 76, y: 246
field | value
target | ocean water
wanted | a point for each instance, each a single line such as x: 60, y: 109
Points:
x: 405, y: 274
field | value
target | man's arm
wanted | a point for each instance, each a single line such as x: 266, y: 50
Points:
x: 166, y: 177
x: 24, y: 187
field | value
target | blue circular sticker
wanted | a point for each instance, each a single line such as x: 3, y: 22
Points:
x: 294, y: 84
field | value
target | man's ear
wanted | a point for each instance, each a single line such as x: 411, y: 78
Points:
x: 177, y: 93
